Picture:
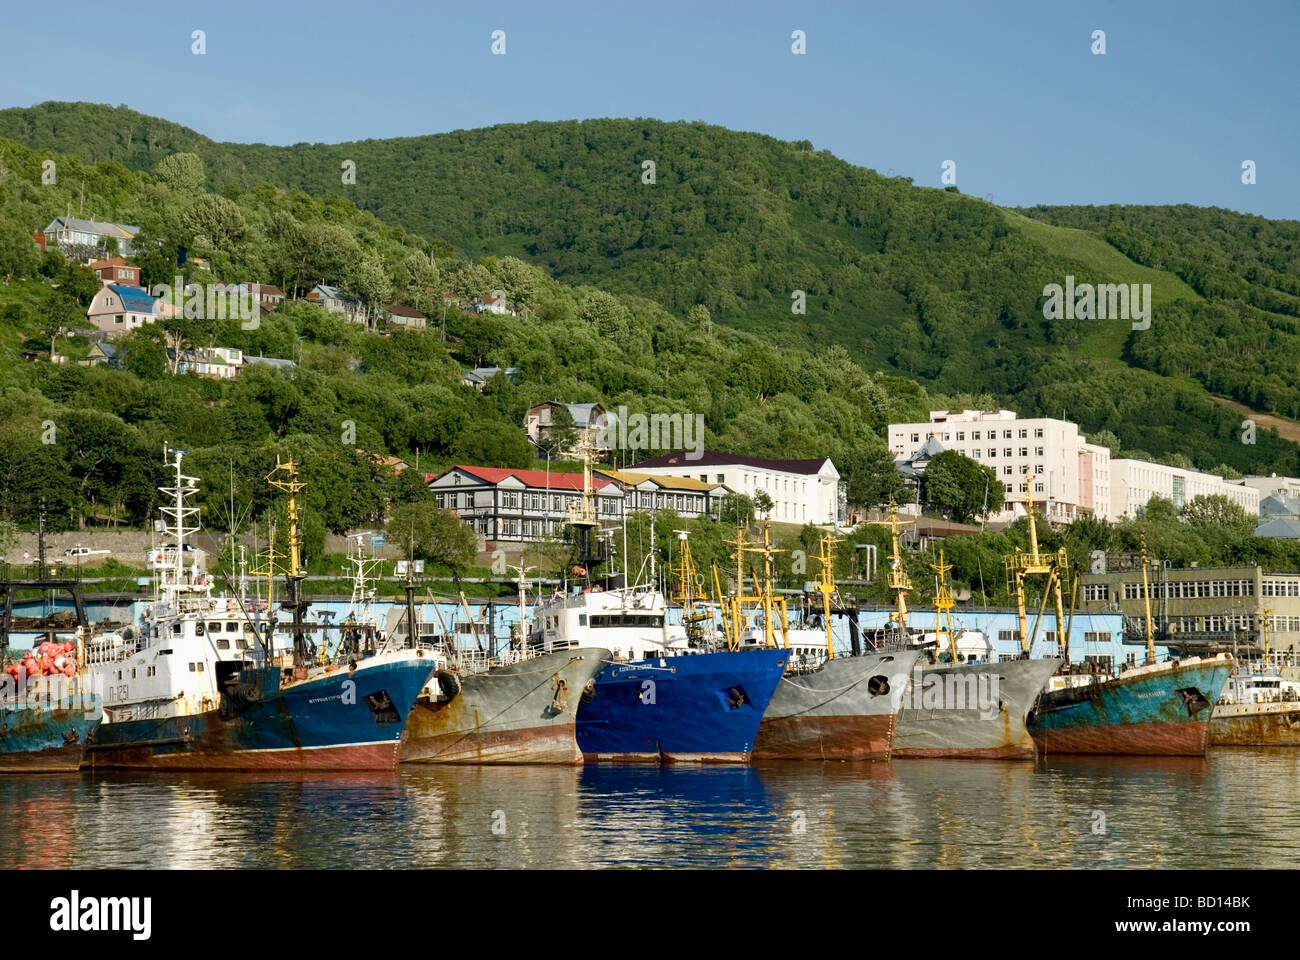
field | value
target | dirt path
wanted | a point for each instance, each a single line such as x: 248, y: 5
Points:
x: 1286, y: 429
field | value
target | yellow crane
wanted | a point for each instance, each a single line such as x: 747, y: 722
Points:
x: 1054, y: 566
x: 898, y: 579
x: 292, y: 486
x: 826, y: 583
x: 1146, y: 598
x: 943, y: 604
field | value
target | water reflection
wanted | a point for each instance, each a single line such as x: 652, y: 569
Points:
x: 1233, y: 809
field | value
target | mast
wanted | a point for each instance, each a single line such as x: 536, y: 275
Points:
x: 943, y: 604
x: 1054, y: 566
x: 179, y: 513
x: 826, y: 584
x: 898, y: 579
x: 302, y: 652
x: 1146, y: 598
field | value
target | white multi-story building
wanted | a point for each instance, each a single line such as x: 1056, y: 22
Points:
x: 1273, y: 484
x: 802, y: 491
x: 1134, y: 482
x: 1070, y: 475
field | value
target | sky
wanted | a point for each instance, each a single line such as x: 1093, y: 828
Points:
x: 1010, y: 92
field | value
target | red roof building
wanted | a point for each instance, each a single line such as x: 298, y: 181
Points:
x: 520, y: 505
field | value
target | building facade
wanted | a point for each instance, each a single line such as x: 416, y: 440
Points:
x: 1070, y: 476
x: 118, y: 310
x: 589, y: 419
x: 1202, y: 607
x: 647, y: 493
x: 520, y: 505
x: 802, y: 491
x: 1134, y: 482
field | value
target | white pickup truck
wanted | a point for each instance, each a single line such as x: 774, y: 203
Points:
x: 83, y: 553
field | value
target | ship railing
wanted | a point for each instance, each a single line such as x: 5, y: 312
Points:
x: 110, y: 649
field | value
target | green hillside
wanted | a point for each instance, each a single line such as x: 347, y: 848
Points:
x: 930, y: 285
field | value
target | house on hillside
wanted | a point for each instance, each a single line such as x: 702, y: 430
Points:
x: 337, y: 301
x: 912, y: 468
x: 118, y: 309
x: 82, y: 238
x: 116, y: 270
x: 491, y: 304
x: 479, y: 376
x: 520, y: 505
x: 590, y: 419
x: 269, y: 297
x: 213, y: 363
x: 403, y: 317
x: 102, y: 353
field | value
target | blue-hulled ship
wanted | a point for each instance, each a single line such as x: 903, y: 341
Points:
x: 668, y: 693
x: 199, y: 684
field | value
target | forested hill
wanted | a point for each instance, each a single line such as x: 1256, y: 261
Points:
x: 939, y: 287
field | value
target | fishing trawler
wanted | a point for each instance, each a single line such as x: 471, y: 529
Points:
x: 960, y: 710
x: 516, y: 706
x: 668, y: 695
x: 1156, y: 709
x: 826, y: 707
x: 46, y: 722
x: 1258, y: 707
x: 198, y: 684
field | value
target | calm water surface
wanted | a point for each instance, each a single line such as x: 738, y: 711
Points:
x: 1235, y: 809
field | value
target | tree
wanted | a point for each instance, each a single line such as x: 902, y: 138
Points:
x: 736, y: 510
x: 871, y: 478
x: 561, y: 435
x: 956, y: 485
x: 434, y: 534
x: 763, y: 502
x: 183, y: 172
x: 1218, y: 513
x: 495, y: 444
x: 19, y: 255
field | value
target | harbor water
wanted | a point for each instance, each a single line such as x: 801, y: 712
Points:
x: 1232, y: 809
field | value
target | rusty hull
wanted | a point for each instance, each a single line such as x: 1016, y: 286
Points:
x: 1256, y: 725
x: 520, y: 713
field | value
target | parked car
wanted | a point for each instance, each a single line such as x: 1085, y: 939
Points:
x: 82, y: 553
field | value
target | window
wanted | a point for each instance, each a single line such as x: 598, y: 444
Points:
x: 1038, y: 468
x: 1096, y: 591
x: 1007, y: 472
x: 992, y: 454
x: 975, y: 454
x: 975, y: 435
x: 1038, y: 451
x: 1023, y: 434
x: 1006, y: 434
x: 916, y: 438
x: 1024, y: 451
x: 1006, y: 452
x: 1038, y: 433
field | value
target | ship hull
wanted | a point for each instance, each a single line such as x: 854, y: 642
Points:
x: 1160, y: 711
x: 952, y: 728
x: 694, y: 708
x: 847, y: 709
x: 1255, y: 725
x: 50, y: 738
x: 333, y: 721
x: 521, y: 713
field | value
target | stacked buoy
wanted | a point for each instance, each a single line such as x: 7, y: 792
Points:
x: 46, y: 660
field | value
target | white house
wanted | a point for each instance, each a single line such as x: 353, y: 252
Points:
x: 491, y: 304
x: 337, y: 301
x: 520, y: 505
x: 215, y: 363
x: 118, y: 309
x: 802, y: 491
x: 589, y: 418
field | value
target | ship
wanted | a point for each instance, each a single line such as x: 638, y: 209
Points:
x: 959, y: 710
x: 516, y: 706
x: 46, y: 722
x: 1160, y: 708
x: 827, y: 706
x: 199, y: 684
x: 1258, y: 706
x: 667, y: 695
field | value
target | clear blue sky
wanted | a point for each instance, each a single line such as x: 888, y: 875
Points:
x: 1010, y: 91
